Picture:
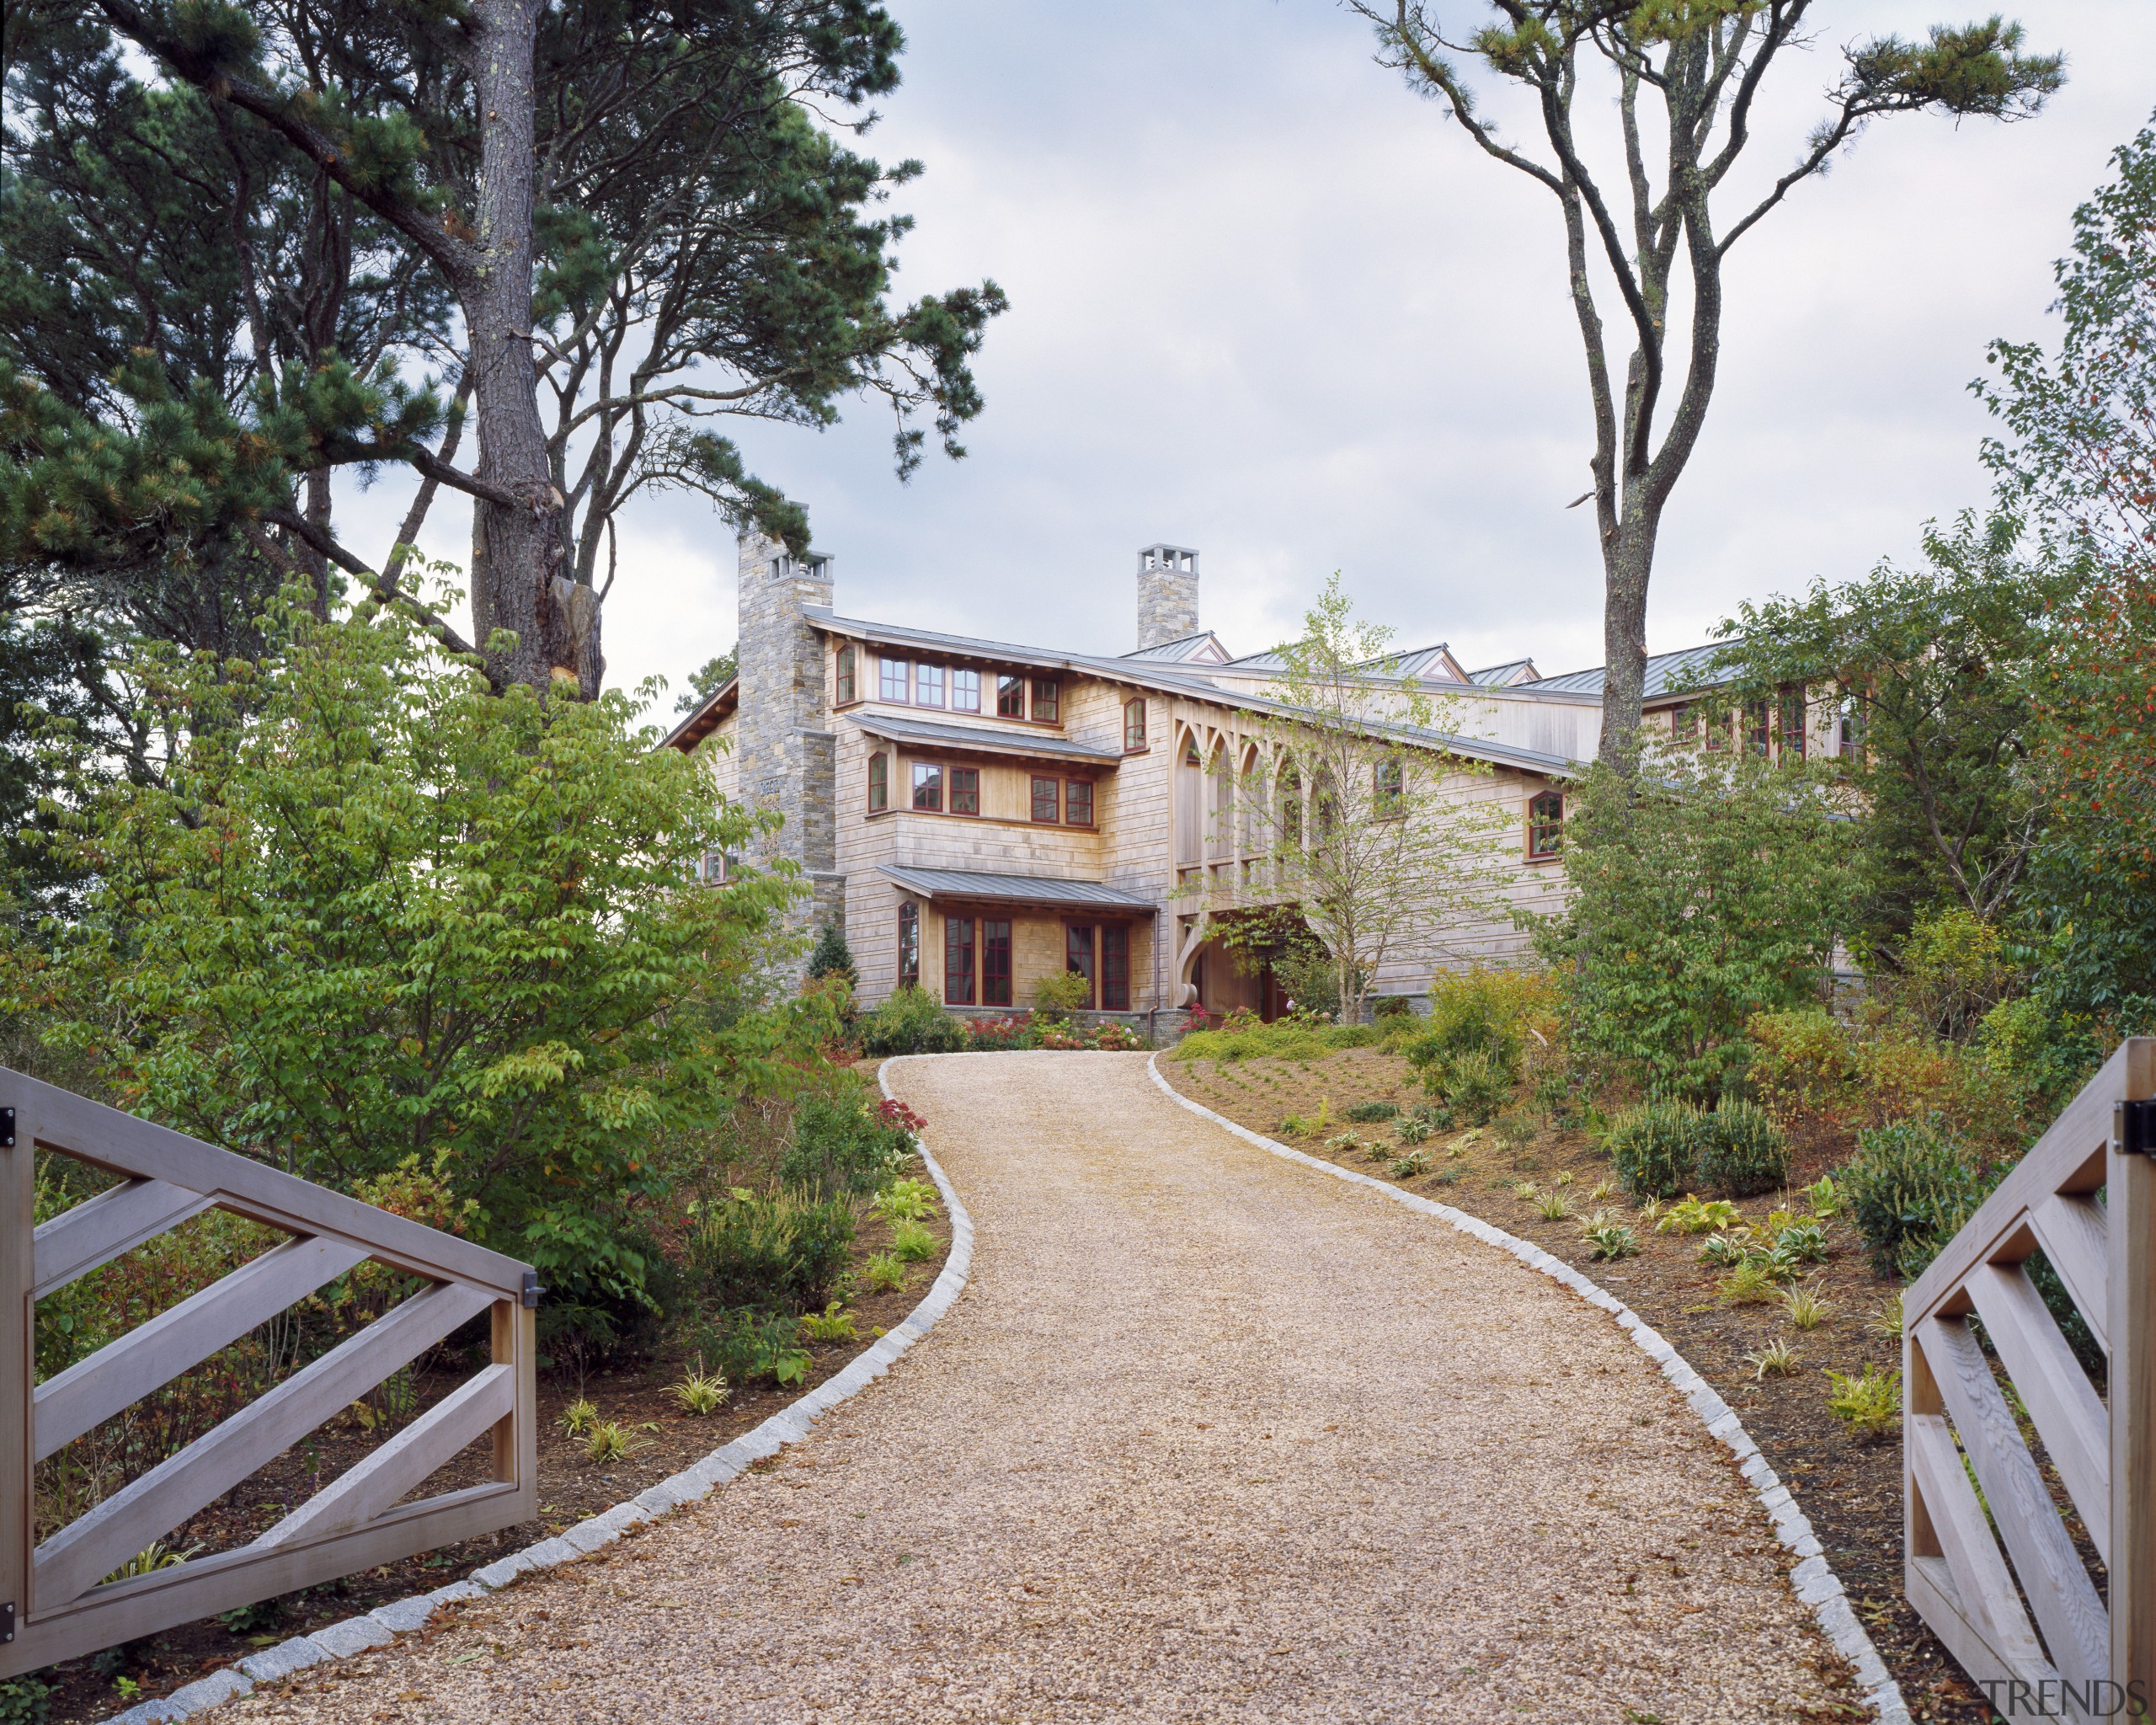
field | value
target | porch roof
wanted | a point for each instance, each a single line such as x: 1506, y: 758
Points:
x: 1039, y: 744
x: 1015, y: 889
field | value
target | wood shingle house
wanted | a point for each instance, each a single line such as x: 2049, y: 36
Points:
x: 975, y: 814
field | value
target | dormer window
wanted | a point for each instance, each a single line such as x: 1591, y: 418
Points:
x: 965, y: 691
x: 892, y: 685
x: 1048, y: 700
x: 1010, y: 696
x: 928, y: 686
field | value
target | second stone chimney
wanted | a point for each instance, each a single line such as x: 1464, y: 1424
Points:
x: 1167, y: 593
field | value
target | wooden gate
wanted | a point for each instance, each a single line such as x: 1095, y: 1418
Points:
x: 2034, y: 1614
x: 56, y: 1596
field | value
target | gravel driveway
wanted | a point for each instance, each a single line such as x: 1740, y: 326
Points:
x: 1206, y: 1437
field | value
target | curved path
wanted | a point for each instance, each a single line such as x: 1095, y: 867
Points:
x: 1206, y: 1437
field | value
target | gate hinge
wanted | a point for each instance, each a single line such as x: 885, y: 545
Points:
x: 532, y: 1291
x: 7, y: 1608
x: 7, y: 1138
x: 2133, y: 1128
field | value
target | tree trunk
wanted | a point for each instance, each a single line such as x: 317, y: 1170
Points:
x: 516, y: 548
x: 1628, y: 561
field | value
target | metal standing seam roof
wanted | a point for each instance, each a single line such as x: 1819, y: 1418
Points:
x: 981, y: 737
x: 1014, y: 889
x: 1667, y: 673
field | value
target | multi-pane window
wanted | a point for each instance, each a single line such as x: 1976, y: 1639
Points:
x: 1684, y: 723
x: 1755, y: 728
x: 927, y: 785
x: 1010, y: 696
x: 1717, y: 723
x: 1048, y: 700
x: 994, y: 962
x: 1078, y: 954
x: 965, y: 790
x: 909, y: 946
x: 1078, y: 802
x: 1851, y: 740
x: 1045, y: 798
x: 965, y: 691
x: 958, y: 960
x: 1133, y: 725
x: 1545, y: 824
x: 1291, y: 807
x: 844, y: 681
x: 1391, y: 787
x: 1791, y: 725
x: 1115, y: 967
x: 893, y: 686
x: 928, y: 686
x: 879, y: 783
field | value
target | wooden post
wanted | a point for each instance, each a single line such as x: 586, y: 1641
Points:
x: 18, y: 1221
x: 2130, y: 1212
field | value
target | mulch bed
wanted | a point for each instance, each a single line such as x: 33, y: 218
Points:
x: 1850, y: 1488
x: 571, y: 1487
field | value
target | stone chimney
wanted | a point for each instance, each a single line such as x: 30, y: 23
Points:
x: 785, y: 750
x: 1167, y: 593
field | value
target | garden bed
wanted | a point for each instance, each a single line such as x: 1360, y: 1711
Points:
x: 1850, y: 1487
x: 571, y: 1487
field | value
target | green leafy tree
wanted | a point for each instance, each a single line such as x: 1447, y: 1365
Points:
x: 1353, y: 809
x: 1939, y: 673
x: 707, y: 680
x: 370, y: 910
x: 1704, y: 890
x: 2080, y: 449
x: 608, y: 226
x: 1657, y: 216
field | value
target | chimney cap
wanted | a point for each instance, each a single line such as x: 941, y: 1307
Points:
x: 1181, y: 558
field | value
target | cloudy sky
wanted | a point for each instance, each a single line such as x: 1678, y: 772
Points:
x: 1267, y: 303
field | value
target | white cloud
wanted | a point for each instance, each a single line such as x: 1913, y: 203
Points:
x: 1265, y: 302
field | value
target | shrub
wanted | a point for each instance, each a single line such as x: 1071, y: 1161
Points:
x: 784, y: 1249
x: 912, y: 1243
x: 1363, y: 1113
x: 910, y: 1021
x: 1654, y: 1148
x: 831, y: 957
x: 1740, y: 1151
x: 1474, y: 1085
x: 1391, y: 1006
x: 749, y: 1344
x: 1908, y: 1188
x: 1706, y: 889
x: 843, y: 1143
x: 1802, y: 1058
x: 1060, y: 993
x: 369, y: 904
x: 1870, y: 1406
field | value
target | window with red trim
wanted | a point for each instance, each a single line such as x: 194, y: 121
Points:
x: 1789, y: 726
x: 994, y: 962
x: 1078, y: 802
x: 909, y: 946
x: 927, y: 785
x: 844, y: 678
x: 1078, y: 954
x: 1046, y: 793
x: 1133, y: 725
x: 892, y: 685
x: 1115, y: 967
x: 958, y: 960
x: 1010, y: 696
x: 1048, y: 700
x: 879, y: 783
x: 1545, y: 824
x: 965, y: 691
x: 965, y: 790
x: 928, y: 686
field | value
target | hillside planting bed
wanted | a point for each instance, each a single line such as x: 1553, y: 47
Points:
x: 1848, y: 1485
x: 664, y: 1437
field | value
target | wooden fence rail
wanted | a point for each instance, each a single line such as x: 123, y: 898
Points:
x: 1989, y: 1559
x: 55, y: 1602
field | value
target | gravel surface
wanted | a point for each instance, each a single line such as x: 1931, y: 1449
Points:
x: 1206, y: 1437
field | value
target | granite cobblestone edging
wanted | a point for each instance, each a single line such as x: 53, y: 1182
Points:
x: 789, y: 1425
x: 1813, y: 1577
